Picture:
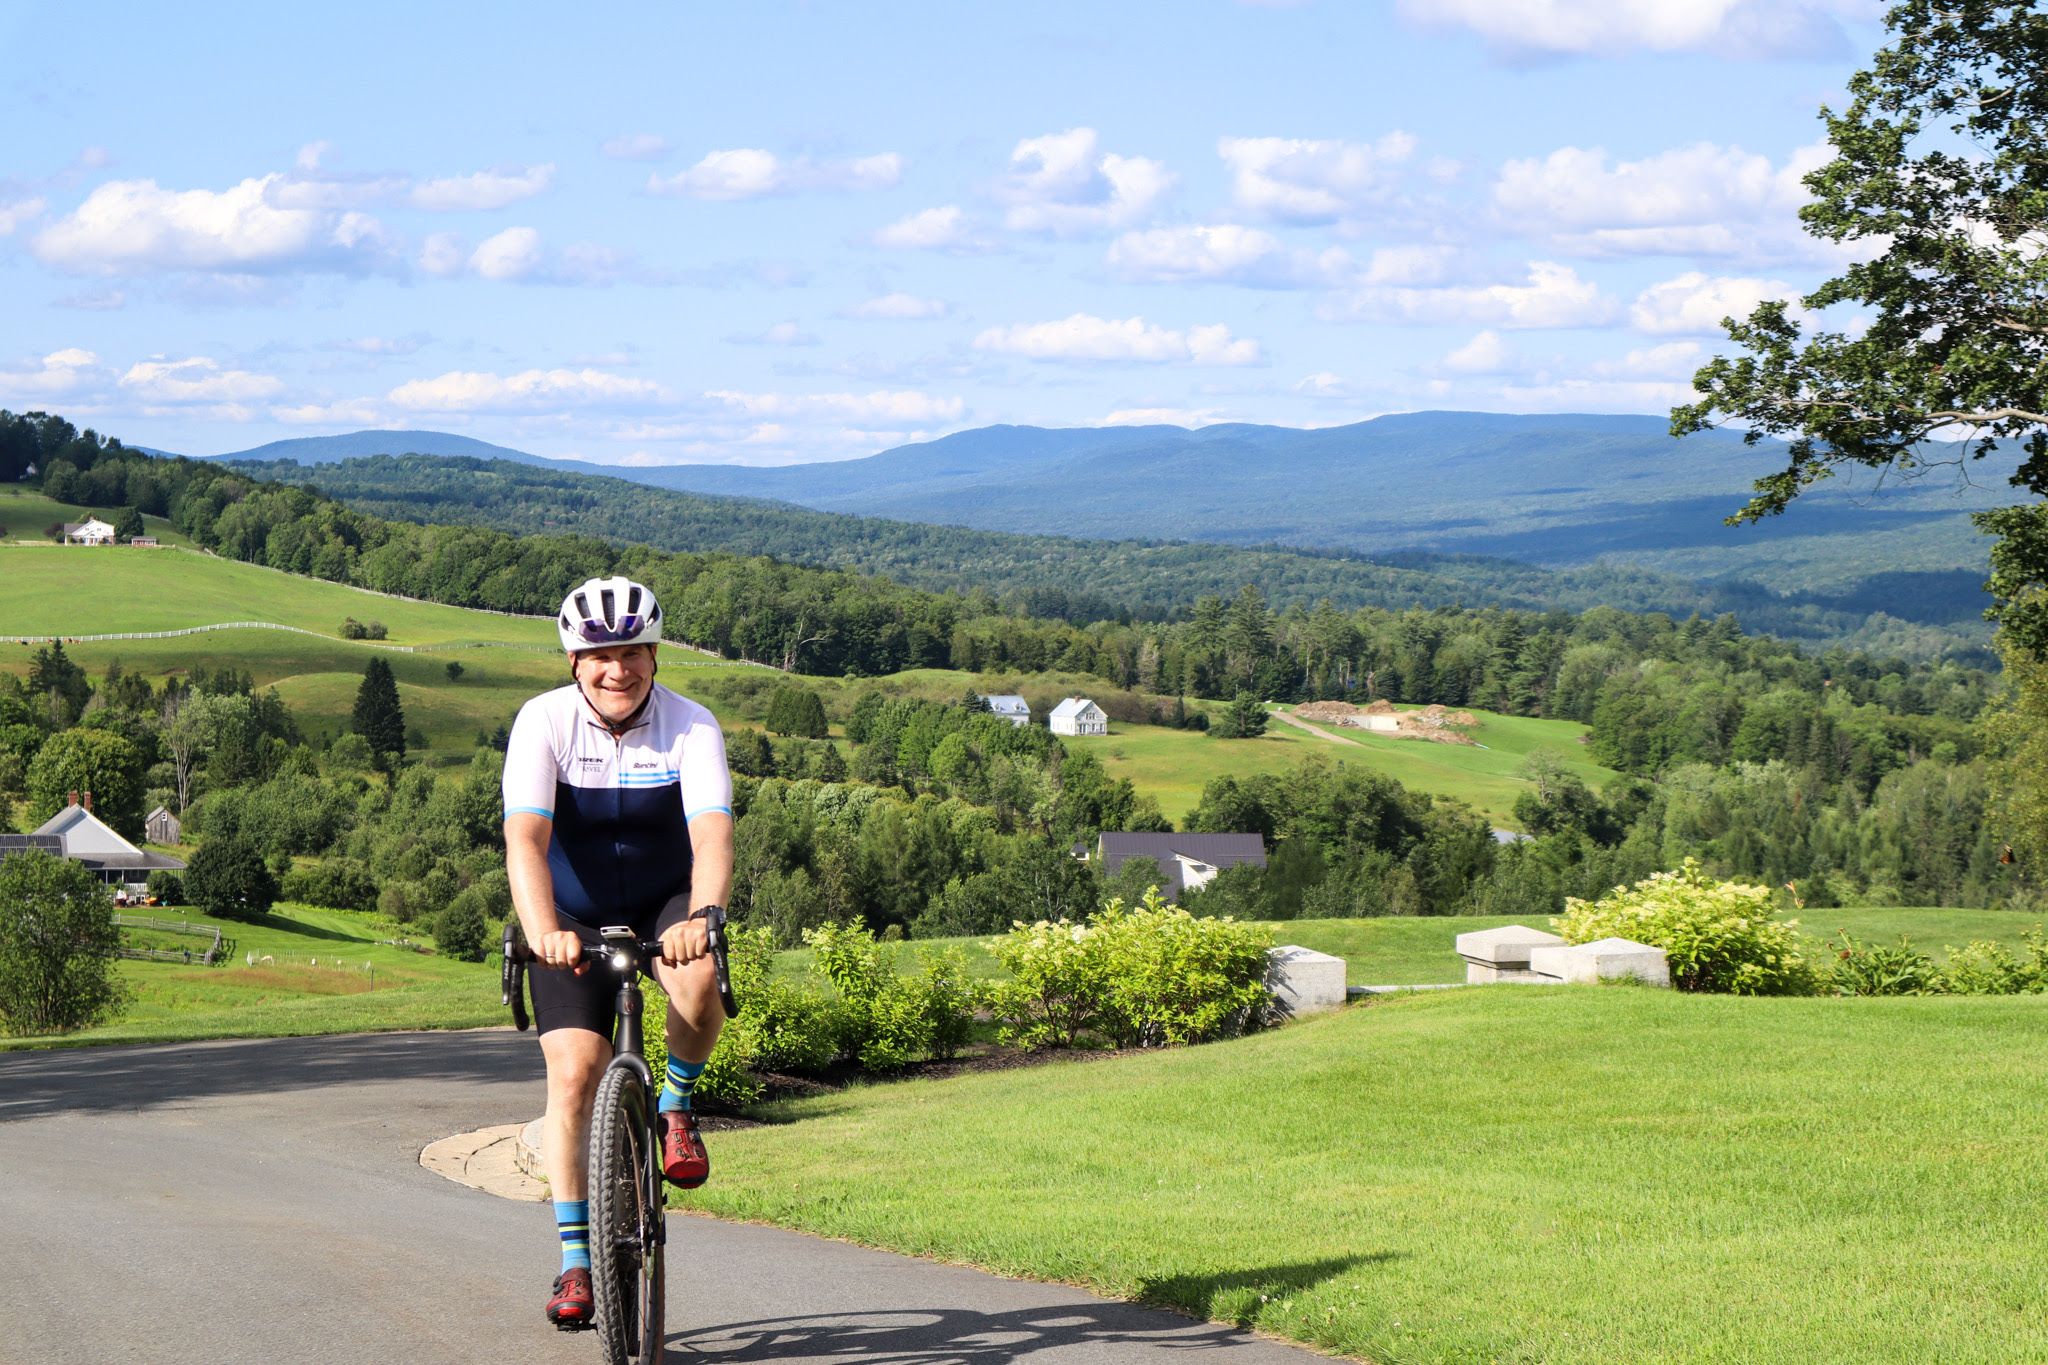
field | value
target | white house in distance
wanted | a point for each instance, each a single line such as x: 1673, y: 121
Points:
x: 76, y: 833
x: 1079, y: 716
x: 1010, y: 707
x: 91, y: 531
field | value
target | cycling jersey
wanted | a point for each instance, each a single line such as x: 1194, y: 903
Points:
x: 621, y: 805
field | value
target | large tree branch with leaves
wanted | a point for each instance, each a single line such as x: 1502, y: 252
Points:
x: 1940, y: 184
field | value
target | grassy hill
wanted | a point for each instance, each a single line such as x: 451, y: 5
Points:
x: 1565, y: 1175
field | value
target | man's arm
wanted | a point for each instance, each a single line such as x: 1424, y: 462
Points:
x: 533, y: 889
x: 710, y: 883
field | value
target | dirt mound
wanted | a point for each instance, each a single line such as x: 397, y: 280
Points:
x: 1329, y: 712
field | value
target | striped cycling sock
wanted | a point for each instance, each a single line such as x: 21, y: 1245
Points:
x: 572, y: 1217
x: 681, y: 1083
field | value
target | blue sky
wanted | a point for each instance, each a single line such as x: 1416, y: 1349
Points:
x: 774, y: 232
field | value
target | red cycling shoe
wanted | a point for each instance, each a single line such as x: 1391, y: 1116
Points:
x: 571, y: 1309
x: 683, y: 1158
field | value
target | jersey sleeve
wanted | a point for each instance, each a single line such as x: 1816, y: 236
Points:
x: 707, y: 782
x: 531, y: 769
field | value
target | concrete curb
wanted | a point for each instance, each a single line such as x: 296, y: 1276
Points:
x: 487, y: 1160
x: 526, y: 1150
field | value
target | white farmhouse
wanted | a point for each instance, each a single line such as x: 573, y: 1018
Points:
x: 1079, y: 716
x: 91, y: 531
x: 76, y: 833
x: 1011, y: 708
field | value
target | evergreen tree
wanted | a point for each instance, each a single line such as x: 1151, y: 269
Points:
x: 378, y: 717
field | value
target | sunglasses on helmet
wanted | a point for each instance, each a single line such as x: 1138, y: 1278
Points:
x: 598, y: 633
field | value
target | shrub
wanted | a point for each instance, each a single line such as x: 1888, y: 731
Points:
x: 1144, y: 977
x: 887, y: 1019
x: 462, y: 930
x: 728, y: 1076
x: 1875, y: 969
x: 228, y: 879
x: 57, y: 946
x: 167, y: 886
x: 339, y: 883
x: 1719, y: 936
x: 1991, y: 968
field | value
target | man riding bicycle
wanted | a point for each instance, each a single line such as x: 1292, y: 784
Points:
x: 618, y: 811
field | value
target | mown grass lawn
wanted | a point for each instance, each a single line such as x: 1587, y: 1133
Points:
x: 1558, y: 1175
x: 26, y: 514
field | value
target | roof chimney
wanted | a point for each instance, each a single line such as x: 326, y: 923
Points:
x: 88, y: 802
x: 71, y: 799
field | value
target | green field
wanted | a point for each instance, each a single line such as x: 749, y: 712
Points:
x: 26, y: 513
x: 1568, y: 1176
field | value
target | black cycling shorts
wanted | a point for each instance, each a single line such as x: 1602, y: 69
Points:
x: 563, y: 999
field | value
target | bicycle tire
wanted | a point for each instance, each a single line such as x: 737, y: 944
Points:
x: 625, y: 1243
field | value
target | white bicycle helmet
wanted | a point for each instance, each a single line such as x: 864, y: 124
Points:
x: 609, y: 611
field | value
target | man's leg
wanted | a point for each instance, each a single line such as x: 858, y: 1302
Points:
x: 694, y: 1018
x: 576, y: 1060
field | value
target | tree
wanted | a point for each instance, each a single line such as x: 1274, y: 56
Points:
x: 128, y: 524
x: 1940, y: 180
x: 1245, y: 719
x: 228, y: 879
x: 378, y: 717
x: 454, y: 671
x: 88, y: 760
x: 52, y: 674
x: 58, y: 946
x: 797, y: 711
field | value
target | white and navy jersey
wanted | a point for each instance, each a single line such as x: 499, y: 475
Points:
x: 621, y: 805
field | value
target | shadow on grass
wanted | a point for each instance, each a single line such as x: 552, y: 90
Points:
x: 1236, y: 1296
x: 956, y: 1336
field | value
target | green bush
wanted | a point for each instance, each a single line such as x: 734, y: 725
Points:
x: 167, y: 886
x: 888, y: 1019
x: 228, y: 879
x: 1719, y: 936
x: 1876, y: 969
x: 57, y: 946
x: 1145, y: 977
x: 1990, y: 968
x: 339, y: 883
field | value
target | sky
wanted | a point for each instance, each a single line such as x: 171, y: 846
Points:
x: 775, y: 232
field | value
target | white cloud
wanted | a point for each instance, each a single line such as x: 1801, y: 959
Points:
x: 137, y: 227
x: 196, y: 380
x: 1301, y: 180
x: 902, y: 307
x: 527, y: 391
x: 513, y: 254
x: 443, y: 254
x: 1670, y: 360
x: 1223, y: 253
x: 311, y: 155
x: 941, y: 229
x: 752, y: 172
x: 60, y: 374
x: 1083, y: 337
x: 1701, y: 200
x: 1172, y: 417
x: 903, y: 405
x: 353, y: 412
x: 1483, y: 354
x: 1553, y: 296
x: 20, y: 211
x: 483, y: 190
x: 1418, y: 264
x: 1694, y: 303
x: 1727, y: 28
x: 636, y: 147
x: 1064, y: 185
x: 781, y: 334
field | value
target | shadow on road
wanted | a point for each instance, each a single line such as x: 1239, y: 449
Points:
x: 951, y: 1336
x: 87, y: 1080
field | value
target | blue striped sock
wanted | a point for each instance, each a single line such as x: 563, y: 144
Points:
x: 572, y: 1217
x: 680, y: 1085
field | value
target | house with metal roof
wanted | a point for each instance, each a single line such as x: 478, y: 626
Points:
x: 1010, y: 707
x: 1185, y: 861
x: 1078, y: 716
x: 76, y: 833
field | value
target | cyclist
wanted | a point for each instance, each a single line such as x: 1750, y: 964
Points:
x: 618, y: 811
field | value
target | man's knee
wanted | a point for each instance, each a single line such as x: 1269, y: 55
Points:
x: 574, y: 1068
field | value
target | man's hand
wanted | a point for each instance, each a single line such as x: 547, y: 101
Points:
x: 561, y: 948
x: 686, y: 941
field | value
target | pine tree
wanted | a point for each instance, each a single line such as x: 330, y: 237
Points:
x: 378, y: 717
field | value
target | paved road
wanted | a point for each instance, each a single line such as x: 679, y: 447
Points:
x: 264, y: 1202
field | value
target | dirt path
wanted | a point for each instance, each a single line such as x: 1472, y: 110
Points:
x: 1317, y: 730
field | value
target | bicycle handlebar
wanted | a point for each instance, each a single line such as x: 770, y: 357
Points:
x: 517, y: 956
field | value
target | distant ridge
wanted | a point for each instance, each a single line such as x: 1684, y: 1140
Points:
x: 309, y: 450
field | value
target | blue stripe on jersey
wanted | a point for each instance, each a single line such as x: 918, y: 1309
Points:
x: 531, y: 810
x: 707, y: 810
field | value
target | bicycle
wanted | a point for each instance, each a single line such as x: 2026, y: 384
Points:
x: 628, y: 1224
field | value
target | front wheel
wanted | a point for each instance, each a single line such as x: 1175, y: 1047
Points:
x: 625, y: 1222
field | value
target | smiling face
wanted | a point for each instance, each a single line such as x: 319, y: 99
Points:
x: 615, y: 679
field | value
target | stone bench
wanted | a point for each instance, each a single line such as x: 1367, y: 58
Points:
x: 1305, y: 981
x: 1503, y: 954
x: 1605, y: 960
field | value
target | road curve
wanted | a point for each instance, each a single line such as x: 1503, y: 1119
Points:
x: 263, y: 1201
